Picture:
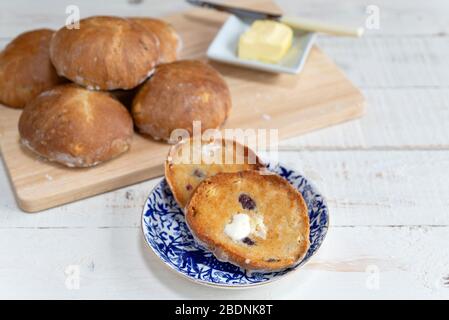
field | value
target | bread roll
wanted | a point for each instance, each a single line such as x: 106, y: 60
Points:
x: 179, y: 93
x: 184, y: 175
x: 76, y: 127
x: 169, y: 41
x: 105, y: 53
x: 255, y: 220
x: 26, y: 69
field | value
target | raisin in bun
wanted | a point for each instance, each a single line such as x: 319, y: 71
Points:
x: 254, y: 220
x: 105, y: 53
x: 26, y: 69
x: 190, y: 162
x: 76, y: 127
x: 176, y: 95
x: 169, y: 41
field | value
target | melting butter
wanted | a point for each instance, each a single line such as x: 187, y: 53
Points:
x: 239, y: 228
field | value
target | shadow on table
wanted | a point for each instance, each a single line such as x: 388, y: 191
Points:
x: 186, y: 289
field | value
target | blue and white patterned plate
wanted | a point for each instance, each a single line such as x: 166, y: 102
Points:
x: 167, y: 234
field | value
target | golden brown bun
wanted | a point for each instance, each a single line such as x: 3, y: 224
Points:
x: 179, y: 93
x: 105, y: 53
x: 26, y: 69
x: 184, y: 176
x: 169, y: 41
x: 277, y: 212
x: 76, y: 127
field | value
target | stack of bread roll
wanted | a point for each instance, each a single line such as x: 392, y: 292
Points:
x: 84, y: 90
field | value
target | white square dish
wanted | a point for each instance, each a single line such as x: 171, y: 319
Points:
x: 224, y: 48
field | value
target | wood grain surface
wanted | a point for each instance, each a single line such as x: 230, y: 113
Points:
x: 318, y: 97
x: 384, y: 175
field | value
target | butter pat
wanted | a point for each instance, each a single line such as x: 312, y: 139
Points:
x: 239, y: 228
x: 266, y: 41
x: 242, y: 226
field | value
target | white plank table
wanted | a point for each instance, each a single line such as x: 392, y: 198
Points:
x: 386, y: 176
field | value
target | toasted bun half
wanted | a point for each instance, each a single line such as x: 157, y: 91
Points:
x: 275, y: 232
x: 190, y: 162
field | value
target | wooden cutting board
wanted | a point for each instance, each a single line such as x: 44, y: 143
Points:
x: 320, y: 96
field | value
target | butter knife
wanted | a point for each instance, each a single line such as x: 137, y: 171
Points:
x: 294, y: 22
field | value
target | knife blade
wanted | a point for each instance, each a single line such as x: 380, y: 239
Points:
x: 241, y: 12
x: 294, y: 22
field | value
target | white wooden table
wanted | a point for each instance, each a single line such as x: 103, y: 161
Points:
x: 386, y: 176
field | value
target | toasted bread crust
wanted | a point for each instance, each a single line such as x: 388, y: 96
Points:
x: 105, y: 53
x: 182, y: 178
x: 179, y: 93
x: 67, y: 124
x: 283, y: 209
x: 26, y: 69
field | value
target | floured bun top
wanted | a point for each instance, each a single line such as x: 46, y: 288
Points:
x: 105, y: 53
x: 253, y: 219
x: 190, y: 162
x: 76, y: 127
x: 26, y: 69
